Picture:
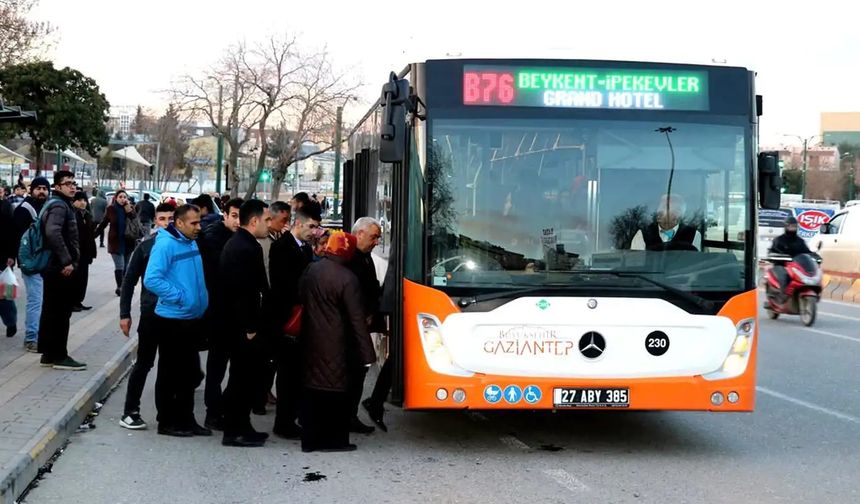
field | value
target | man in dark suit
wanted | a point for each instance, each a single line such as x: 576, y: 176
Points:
x: 288, y: 258
x: 243, y: 285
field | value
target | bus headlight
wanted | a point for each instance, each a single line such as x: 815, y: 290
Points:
x: 736, y: 361
x: 437, y: 354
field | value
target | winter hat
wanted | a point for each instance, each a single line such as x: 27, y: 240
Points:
x: 341, y: 245
x: 40, y: 181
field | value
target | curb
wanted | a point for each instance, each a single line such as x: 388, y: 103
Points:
x: 51, y: 437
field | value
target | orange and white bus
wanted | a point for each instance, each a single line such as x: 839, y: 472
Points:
x: 556, y: 232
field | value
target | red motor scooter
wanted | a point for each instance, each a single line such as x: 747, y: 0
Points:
x: 800, y: 289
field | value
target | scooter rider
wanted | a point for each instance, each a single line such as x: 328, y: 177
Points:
x: 790, y: 244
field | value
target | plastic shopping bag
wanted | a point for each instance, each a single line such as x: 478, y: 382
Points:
x: 8, y: 285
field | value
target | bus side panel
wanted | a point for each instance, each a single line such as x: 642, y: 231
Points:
x: 682, y: 393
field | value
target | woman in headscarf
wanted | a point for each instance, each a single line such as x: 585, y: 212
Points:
x: 333, y: 339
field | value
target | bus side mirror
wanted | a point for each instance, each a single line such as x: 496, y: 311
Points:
x: 825, y: 228
x: 395, y: 99
x: 769, y: 181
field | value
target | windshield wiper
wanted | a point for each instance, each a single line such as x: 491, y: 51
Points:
x: 699, y: 301
x: 465, y: 301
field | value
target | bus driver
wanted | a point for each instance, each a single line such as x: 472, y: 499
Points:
x: 667, y: 232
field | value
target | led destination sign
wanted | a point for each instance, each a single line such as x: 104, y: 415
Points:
x: 613, y: 88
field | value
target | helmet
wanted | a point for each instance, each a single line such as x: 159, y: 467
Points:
x: 790, y: 221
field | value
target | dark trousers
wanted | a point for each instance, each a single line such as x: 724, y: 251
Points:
x: 57, y: 300
x: 325, y: 418
x: 147, y: 347
x: 383, y: 384
x: 82, y: 276
x: 289, y: 384
x: 245, y: 359
x: 216, y: 369
x: 267, y: 370
x: 101, y: 236
x: 356, y: 388
x: 178, y: 371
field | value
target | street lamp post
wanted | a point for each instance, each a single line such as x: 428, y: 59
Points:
x: 805, y: 142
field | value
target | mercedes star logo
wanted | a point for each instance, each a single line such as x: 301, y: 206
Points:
x: 592, y: 345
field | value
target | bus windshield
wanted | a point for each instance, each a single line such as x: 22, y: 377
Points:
x: 516, y: 202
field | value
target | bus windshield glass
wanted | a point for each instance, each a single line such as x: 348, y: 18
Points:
x: 522, y: 202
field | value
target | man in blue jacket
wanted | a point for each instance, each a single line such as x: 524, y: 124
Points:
x: 175, y: 275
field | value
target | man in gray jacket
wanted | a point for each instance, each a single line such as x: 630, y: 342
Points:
x: 61, y: 237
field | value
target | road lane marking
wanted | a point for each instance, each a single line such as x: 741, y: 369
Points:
x: 566, y: 480
x: 833, y: 335
x: 815, y: 407
x: 841, y: 303
x: 513, y: 442
x: 838, y: 315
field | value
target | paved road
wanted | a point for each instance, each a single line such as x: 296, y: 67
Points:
x: 799, y: 446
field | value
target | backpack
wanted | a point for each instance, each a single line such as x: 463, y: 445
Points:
x: 33, y: 255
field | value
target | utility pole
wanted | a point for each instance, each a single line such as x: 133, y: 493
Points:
x: 803, y: 179
x: 219, y: 157
x: 337, y: 140
x: 805, y: 142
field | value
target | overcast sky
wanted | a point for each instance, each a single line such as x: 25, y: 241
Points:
x: 807, y: 55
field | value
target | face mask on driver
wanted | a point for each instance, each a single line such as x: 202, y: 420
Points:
x: 791, y: 233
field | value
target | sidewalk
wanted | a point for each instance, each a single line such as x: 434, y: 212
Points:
x: 41, y: 407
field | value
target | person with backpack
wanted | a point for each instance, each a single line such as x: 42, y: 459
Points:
x: 24, y: 215
x: 124, y: 232
x: 60, y: 231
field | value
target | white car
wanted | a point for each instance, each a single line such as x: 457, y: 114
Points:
x: 838, y: 241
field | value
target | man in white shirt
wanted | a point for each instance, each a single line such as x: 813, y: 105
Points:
x: 667, y: 232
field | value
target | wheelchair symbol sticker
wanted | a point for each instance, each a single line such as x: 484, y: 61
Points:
x: 532, y: 394
x: 492, y: 394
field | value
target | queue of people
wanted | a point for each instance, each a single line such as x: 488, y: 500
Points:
x: 276, y: 300
x: 282, y: 303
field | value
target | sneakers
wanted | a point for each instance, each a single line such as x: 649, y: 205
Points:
x: 132, y: 422
x: 31, y: 346
x: 11, y: 330
x: 46, y: 362
x: 69, y: 364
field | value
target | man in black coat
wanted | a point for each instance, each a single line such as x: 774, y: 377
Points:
x: 211, y: 242
x: 87, y: 239
x: 288, y: 258
x: 368, y: 232
x: 243, y: 286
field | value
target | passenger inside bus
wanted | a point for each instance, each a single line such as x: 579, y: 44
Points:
x: 667, y: 232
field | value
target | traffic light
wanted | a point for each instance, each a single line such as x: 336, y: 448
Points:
x: 264, y: 176
x: 781, y: 164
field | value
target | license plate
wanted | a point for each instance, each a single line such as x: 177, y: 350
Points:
x: 591, y: 397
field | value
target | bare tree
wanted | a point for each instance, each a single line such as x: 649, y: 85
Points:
x: 303, y: 91
x: 21, y: 38
x: 223, y: 97
x: 318, y: 91
x: 173, y: 146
